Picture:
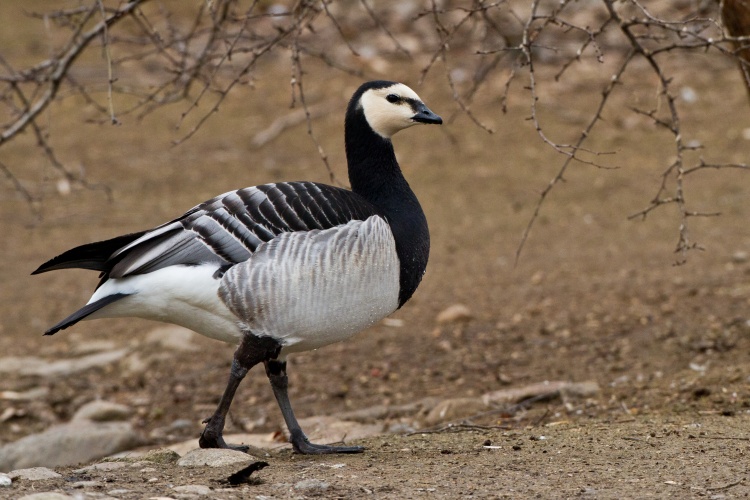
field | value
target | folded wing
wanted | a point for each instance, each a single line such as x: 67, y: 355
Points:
x: 226, y: 229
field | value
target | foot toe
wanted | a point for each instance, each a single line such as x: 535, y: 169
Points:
x: 308, y: 448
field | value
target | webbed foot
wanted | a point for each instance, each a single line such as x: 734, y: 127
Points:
x: 302, y: 445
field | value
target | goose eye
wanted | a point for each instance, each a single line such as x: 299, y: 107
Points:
x: 392, y: 98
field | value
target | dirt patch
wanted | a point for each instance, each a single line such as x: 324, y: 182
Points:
x: 594, y: 297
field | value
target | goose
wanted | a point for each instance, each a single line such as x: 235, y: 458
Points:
x: 278, y: 268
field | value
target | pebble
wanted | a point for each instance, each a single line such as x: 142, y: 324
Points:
x: 5, y: 480
x: 393, y: 322
x: 452, y: 409
x: 33, y: 474
x: 172, y: 337
x: 740, y: 256
x: 85, y: 484
x: 195, y: 489
x: 311, y: 486
x: 570, y: 389
x: 214, y: 458
x: 69, y: 444
x: 45, y: 368
x: 119, y: 491
x: 104, y: 466
x: 48, y: 495
x: 102, y: 411
x: 160, y: 456
x: 30, y: 395
x: 454, y: 313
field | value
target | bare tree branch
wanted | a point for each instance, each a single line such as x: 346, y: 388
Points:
x: 505, y: 49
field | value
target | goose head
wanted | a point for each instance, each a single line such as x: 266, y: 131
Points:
x: 390, y: 106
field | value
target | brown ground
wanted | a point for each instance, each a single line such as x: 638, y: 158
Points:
x: 593, y: 297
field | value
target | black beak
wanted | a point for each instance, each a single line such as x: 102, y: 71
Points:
x: 424, y: 115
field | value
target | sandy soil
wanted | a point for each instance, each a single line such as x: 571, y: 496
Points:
x: 594, y: 297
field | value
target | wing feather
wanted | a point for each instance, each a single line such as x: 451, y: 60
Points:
x: 228, y: 228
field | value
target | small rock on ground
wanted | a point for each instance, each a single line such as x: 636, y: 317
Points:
x: 160, y: 456
x: 214, y: 458
x: 101, y: 466
x: 47, y: 495
x: 172, y: 337
x: 5, y: 480
x: 102, y: 411
x: 453, y: 409
x: 33, y: 474
x: 119, y: 491
x: 516, y: 394
x: 31, y: 365
x: 86, y: 484
x: 194, y: 489
x: 454, y: 313
x: 68, y: 444
x: 311, y: 486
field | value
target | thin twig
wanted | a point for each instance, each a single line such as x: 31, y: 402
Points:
x: 61, y: 66
x: 108, y: 55
x: 726, y: 486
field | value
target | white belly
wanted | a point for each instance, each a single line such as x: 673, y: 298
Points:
x: 315, y: 288
x: 182, y: 295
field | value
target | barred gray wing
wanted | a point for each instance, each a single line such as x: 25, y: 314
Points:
x: 228, y: 228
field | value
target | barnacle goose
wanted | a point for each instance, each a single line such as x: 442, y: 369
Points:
x: 278, y: 268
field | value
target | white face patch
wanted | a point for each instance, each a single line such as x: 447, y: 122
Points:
x: 387, y: 118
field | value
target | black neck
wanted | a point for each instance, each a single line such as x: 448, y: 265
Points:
x: 375, y: 175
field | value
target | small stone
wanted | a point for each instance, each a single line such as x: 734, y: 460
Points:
x: 311, y: 486
x: 119, y: 491
x: 172, y: 337
x: 30, y: 395
x: 5, y: 480
x: 194, y: 489
x: 101, y: 466
x: 740, y: 257
x: 47, y: 495
x: 393, y: 322
x: 161, y: 456
x: 688, y: 94
x: 63, y: 187
x: 453, y: 314
x: 213, y: 457
x: 566, y: 390
x: 455, y: 408
x: 102, y: 411
x: 33, y: 474
x: 67, y: 444
x: 86, y: 484
x: 31, y: 365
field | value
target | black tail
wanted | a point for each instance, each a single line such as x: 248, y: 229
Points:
x: 85, y: 311
x: 94, y: 256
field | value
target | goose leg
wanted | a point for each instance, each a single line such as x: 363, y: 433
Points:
x: 251, y: 351
x: 276, y: 371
